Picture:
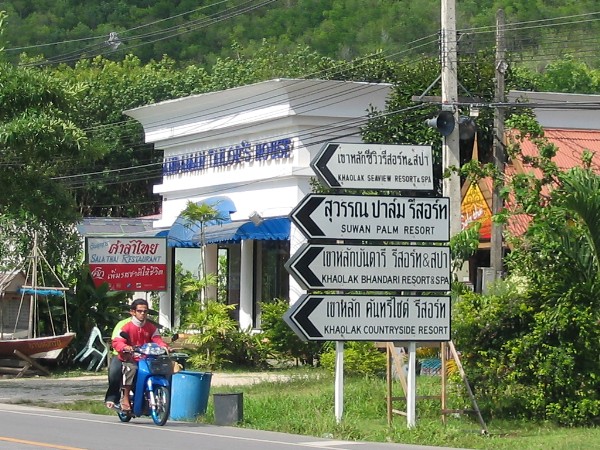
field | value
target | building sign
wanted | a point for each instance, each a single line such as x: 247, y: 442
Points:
x: 474, y: 208
x: 244, y: 153
x: 370, y: 318
x: 128, y: 264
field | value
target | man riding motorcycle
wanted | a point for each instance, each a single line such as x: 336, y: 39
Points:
x: 140, y: 331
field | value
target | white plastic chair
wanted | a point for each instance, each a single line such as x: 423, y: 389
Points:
x: 95, y: 348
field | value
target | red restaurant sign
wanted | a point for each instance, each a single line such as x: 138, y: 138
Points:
x: 128, y: 264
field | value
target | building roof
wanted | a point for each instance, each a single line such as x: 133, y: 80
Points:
x: 12, y: 281
x: 116, y: 226
x: 205, y: 117
x: 562, y: 110
x: 571, y: 145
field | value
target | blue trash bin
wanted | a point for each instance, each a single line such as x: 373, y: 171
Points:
x: 189, y: 394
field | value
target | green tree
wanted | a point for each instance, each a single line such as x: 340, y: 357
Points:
x: 199, y: 216
x: 569, y: 75
x: 119, y: 183
x: 120, y: 180
x: 532, y: 343
x: 344, y: 29
x: 403, y: 121
x: 38, y: 138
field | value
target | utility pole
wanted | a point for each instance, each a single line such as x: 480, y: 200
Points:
x: 496, y: 250
x: 450, y: 146
x: 450, y: 159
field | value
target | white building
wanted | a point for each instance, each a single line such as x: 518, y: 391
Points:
x: 247, y: 151
x: 561, y: 110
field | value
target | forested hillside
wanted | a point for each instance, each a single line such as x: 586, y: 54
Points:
x: 200, y: 31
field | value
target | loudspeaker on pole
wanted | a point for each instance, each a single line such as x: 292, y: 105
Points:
x: 444, y: 123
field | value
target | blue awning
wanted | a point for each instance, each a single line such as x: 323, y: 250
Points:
x: 185, y: 233
x: 273, y: 229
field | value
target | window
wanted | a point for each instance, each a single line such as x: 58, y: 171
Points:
x: 271, y: 278
x: 230, y: 256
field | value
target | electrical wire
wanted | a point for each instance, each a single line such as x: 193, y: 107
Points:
x: 326, y: 132
x: 310, y: 137
x: 124, y: 32
x: 428, y: 43
x: 101, y: 49
x: 192, y: 25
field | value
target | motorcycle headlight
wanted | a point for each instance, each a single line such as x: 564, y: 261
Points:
x: 152, y: 349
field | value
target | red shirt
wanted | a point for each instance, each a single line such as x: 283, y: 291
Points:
x: 137, y: 336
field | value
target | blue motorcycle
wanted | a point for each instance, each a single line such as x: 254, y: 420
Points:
x: 151, y: 393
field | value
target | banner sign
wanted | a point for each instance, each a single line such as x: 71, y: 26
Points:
x: 128, y: 264
x: 474, y: 208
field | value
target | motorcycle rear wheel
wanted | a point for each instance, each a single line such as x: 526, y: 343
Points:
x: 160, y: 411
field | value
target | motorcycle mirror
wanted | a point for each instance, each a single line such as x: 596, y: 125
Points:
x: 175, y: 337
x: 124, y: 335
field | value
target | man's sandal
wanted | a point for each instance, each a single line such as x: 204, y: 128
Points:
x: 125, y: 408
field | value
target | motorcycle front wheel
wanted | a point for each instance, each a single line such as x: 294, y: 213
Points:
x: 162, y: 399
x: 124, y: 417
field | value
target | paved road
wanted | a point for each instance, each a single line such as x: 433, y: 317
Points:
x: 29, y: 428
x: 91, y: 431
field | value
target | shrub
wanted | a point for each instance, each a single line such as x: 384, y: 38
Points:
x: 213, y: 324
x: 360, y: 358
x: 531, y: 356
x: 283, y: 342
x: 248, y: 349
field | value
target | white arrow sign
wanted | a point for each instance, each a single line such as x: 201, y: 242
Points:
x: 375, y: 166
x: 356, y: 267
x: 370, y: 318
x: 373, y: 218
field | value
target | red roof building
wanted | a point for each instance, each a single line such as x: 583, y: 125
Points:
x: 572, y: 111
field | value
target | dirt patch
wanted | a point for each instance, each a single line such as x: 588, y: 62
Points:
x: 66, y: 390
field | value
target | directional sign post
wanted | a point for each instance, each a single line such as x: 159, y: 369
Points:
x: 375, y: 166
x: 348, y: 266
x: 371, y: 267
x: 370, y: 318
x: 370, y: 217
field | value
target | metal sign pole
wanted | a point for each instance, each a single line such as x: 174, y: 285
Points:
x: 411, y: 396
x: 339, y: 380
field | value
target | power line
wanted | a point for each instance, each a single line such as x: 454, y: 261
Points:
x: 345, y: 125
x: 388, y: 55
x: 70, y: 41
x: 195, y: 24
x: 311, y: 137
x: 103, y: 48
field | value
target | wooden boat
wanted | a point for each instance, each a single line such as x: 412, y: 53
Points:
x: 45, y: 347
x: 21, y: 305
